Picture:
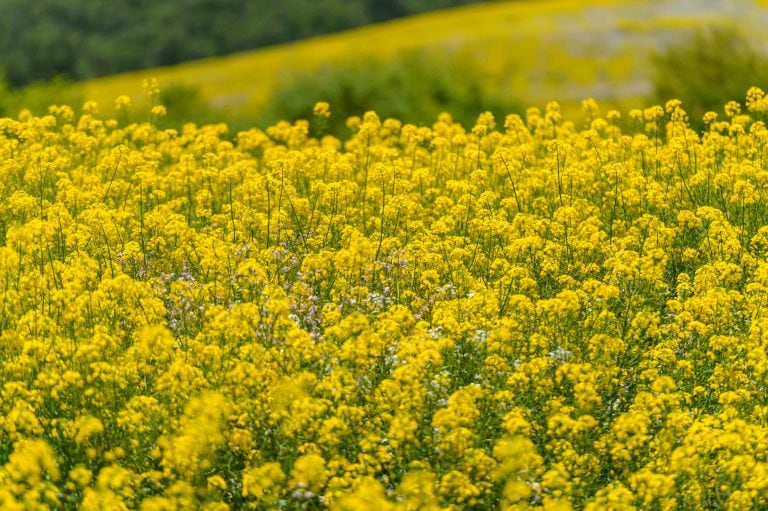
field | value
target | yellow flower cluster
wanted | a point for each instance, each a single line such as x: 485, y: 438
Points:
x: 529, y: 313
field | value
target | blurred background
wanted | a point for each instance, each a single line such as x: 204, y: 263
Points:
x: 253, y: 62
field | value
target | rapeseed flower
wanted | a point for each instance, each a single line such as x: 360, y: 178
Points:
x: 538, y: 313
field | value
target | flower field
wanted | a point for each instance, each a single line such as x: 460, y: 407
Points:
x: 525, y: 313
x: 529, y: 51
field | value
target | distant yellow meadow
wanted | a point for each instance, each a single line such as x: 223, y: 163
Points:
x: 525, y: 313
x: 529, y: 51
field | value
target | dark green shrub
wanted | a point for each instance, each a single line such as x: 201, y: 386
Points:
x: 715, y: 65
x: 184, y: 103
x: 38, y: 96
x: 415, y: 87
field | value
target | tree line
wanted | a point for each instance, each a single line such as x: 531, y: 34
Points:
x: 80, y: 39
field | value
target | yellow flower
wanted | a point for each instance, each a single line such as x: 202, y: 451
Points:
x: 86, y: 427
x: 199, y: 435
x: 322, y: 109
x: 263, y: 482
x: 158, y: 111
x: 31, y: 462
x: 369, y: 494
x: 309, y: 472
x: 81, y: 476
x: 122, y: 103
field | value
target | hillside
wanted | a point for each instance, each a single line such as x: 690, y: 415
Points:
x: 534, y: 51
x: 82, y: 39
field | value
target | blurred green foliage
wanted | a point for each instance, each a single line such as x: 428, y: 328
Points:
x: 714, y: 65
x: 84, y: 38
x: 415, y: 87
x: 184, y: 103
x: 37, y: 96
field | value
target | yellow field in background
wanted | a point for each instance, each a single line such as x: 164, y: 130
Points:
x: 533, y: 50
